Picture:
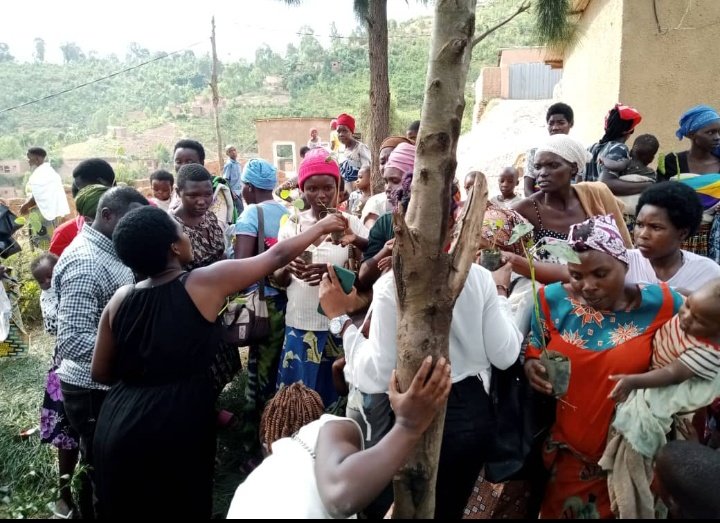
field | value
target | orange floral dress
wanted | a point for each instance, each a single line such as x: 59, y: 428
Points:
x: 598, y: 344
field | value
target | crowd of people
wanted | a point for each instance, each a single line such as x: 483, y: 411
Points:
x: 136, y: 291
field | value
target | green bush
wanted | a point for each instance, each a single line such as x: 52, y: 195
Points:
x: 29, y: 297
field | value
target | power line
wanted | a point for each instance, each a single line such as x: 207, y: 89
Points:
x: 96, y: 80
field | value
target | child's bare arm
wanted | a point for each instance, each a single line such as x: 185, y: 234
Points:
x: 671, y: 374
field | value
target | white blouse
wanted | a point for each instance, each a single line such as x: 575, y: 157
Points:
x: 303, y: 299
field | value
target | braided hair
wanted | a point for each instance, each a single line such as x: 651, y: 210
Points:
x: 291, y: 408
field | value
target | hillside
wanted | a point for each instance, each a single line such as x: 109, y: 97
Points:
x: 169, y: 98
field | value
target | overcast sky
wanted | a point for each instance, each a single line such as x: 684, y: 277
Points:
x: 241, y: 25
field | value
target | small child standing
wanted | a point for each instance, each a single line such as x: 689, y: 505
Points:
x: 54, y: 427
x: 162, y: 183
x: 685, y: 347
x: 360, y: 195
x: 507, y: 181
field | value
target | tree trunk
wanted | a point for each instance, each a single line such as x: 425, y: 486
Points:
x: 379, y: 86
x: 216, y: 99
x: 428, y: 279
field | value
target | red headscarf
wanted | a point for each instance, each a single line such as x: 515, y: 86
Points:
x: 626, y: 113
x: 346, y: 120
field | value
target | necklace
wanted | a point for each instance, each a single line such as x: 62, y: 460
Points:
x: 296, y: 437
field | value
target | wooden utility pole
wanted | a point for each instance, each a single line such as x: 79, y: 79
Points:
x: 216, y: 98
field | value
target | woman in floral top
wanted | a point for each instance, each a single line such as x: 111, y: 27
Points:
x: 194, y: 187
x: 604, y: 326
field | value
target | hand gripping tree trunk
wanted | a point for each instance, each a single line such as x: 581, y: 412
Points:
x: 379, y: 86
x: 428, y: 279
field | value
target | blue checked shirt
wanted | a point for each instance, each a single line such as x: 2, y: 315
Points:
x: 85, y: 278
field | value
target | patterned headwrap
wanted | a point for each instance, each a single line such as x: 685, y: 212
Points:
x: 260, y: 174
x: 695, y: 119
x: 393, y: 141
x: 346, y: 120
x: 599, y: 233
x: 86, y: 202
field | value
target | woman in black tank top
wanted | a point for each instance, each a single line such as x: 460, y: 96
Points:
x: 156, y: 340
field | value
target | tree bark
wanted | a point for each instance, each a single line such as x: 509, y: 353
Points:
x: 379, y: 86
x: 216, y: 99
x: 428, y: 279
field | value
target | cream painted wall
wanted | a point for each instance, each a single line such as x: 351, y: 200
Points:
x: 664, y: 73
x: 591, y: 70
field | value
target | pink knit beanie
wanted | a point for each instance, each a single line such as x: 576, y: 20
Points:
x: 402, y: 157
x: 317, y: 161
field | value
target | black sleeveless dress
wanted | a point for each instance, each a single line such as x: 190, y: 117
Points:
x: 155, y: 437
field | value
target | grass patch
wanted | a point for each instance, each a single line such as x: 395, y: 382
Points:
x: 28, y: 468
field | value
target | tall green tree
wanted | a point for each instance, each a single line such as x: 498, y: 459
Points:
x: 39, y: 53
x: 71, y: 52
x: 5, y: 55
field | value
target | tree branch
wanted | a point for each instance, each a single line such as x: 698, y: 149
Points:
x: 467, y: 241
x: 523, y: 7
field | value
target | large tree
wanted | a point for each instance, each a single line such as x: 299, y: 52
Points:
x: 428, y: 279
x: 39, y: 53
x: 72, y: 52
x: 5, y: 55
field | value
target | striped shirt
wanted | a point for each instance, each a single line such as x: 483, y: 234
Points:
x: 672, y: 343
x: 85, y: 278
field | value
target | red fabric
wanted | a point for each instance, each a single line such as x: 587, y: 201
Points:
x: 346, y: 120
x: 64, y: 234
x: 583, y: 415
x: 317, y: 161
x: 627, y: 113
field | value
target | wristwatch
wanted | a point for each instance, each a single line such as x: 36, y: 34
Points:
x: 337, y: 324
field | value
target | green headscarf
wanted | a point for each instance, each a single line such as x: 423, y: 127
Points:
x: 88, y: 198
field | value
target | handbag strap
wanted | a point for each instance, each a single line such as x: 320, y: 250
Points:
x: 261, y: 246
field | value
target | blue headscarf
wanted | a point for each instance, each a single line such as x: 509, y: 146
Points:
x: 260, y: 174
x: 696, y: 118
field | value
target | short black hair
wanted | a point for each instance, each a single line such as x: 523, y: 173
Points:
x: 647, y: 142
x: 563, y: 109
x: 688, y: 471
x: 303, y: 151
x: 37, y: 151
x: 142, y: 239
x: 680, y: 201
x: 93, y: 171
x: 191, y: 144
x: 415, y: 126
x: 192, y: 172
x: 46, y: 256
x: 118, y: 199
x: 162, y: 175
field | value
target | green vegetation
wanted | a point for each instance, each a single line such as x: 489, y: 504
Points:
x: 308, y: 80
x: 28, y: 475
x: 29, y: 468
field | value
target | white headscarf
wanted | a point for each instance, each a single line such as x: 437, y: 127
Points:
x: 569, y: 149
